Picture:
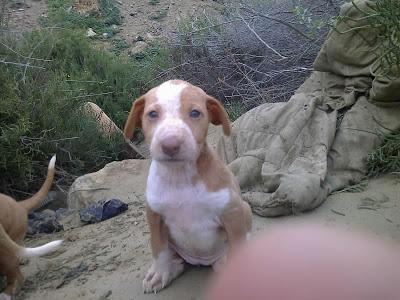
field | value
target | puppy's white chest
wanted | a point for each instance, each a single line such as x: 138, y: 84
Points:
x: 191, y: 212
x: 172, y: 192
x: 169, y: 199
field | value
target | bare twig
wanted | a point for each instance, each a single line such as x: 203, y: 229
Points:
x: 292, y: 27
x: 25, y: 65
x: 260, y: 39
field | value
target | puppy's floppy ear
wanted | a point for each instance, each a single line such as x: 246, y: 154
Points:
x: 218, y: 114
x: 134, y: 118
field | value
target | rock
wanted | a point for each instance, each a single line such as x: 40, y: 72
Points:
x: 102, y: 210
x: 54, y: 200
x: 150, y: 37
x: 69, y: 218
x: 119, y: 179
x: 139, y: 38
x: 105, y: 296
x: 90, y: 32
x: 139, y: 47
x: 43, y: 222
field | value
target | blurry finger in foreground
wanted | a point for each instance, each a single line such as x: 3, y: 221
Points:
x: 306, y: 262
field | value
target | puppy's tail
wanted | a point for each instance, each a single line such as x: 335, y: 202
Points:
x: 9, y: 245
x: 41, y: 250
x: 36, y: 200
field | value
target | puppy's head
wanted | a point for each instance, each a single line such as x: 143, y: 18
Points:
x: 175, y: 117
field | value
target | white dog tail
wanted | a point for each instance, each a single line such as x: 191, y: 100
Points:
x: 41, y: 250
x: 36, y: 200
x: 8, y: 245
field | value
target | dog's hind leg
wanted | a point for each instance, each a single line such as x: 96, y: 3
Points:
x: 14, y: 277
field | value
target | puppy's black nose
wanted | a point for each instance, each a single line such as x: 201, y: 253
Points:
x: 171, y: 145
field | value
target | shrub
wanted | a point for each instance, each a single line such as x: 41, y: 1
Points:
x: 386, y: 158
x: 256, y: 52
x: 49, y: 77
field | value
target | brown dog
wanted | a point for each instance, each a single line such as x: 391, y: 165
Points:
x: 194, y: 208
x: 13, y: 227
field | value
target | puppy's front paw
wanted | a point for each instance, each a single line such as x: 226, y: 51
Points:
x: 160, y: 275
x: 220, y: 263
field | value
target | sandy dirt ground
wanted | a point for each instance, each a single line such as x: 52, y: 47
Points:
x: 108, y: 260
x: 24, y: 14
x: 147, y: 19
x: 160, y: 18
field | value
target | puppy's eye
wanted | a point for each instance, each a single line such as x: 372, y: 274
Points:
x: 153, y: 114
x: 195, y: 114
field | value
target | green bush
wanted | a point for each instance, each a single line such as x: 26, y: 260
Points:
x: 385, y: 16
x: 41, y: 105
x: 386, y: 158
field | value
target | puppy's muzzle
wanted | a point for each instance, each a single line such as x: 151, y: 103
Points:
x: 171, y: 145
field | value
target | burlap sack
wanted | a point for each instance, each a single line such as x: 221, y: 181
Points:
x: 289, y: 156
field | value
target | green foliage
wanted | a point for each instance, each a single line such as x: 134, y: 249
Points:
x: 384, y: 15
x: 235, y: 109
x: 309, y: 20
x: 41, y: 111
x: 154, y: 2
x: 387, y: 19
x: 386, y: 158
x: 119, y: 45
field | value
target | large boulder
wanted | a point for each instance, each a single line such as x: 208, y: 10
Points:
x: 124, y: 180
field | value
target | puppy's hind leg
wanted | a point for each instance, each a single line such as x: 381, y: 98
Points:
x: 14, y: 278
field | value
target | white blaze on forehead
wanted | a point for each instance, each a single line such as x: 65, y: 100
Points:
x: 169, y: 97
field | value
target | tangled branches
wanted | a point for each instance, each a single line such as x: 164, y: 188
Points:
x: 256, y: 52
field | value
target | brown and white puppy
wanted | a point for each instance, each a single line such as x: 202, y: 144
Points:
x: 194, y: 208
x: 13, y: 227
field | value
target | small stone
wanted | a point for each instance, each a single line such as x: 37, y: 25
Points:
x: 149, y: 36
x: 92, y: 268
x: 110, y: 267
x: 139, y: 38
x: 138, y: 48
x: 105, y: 295
x: 90, y: 32
x: 132, y: 14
